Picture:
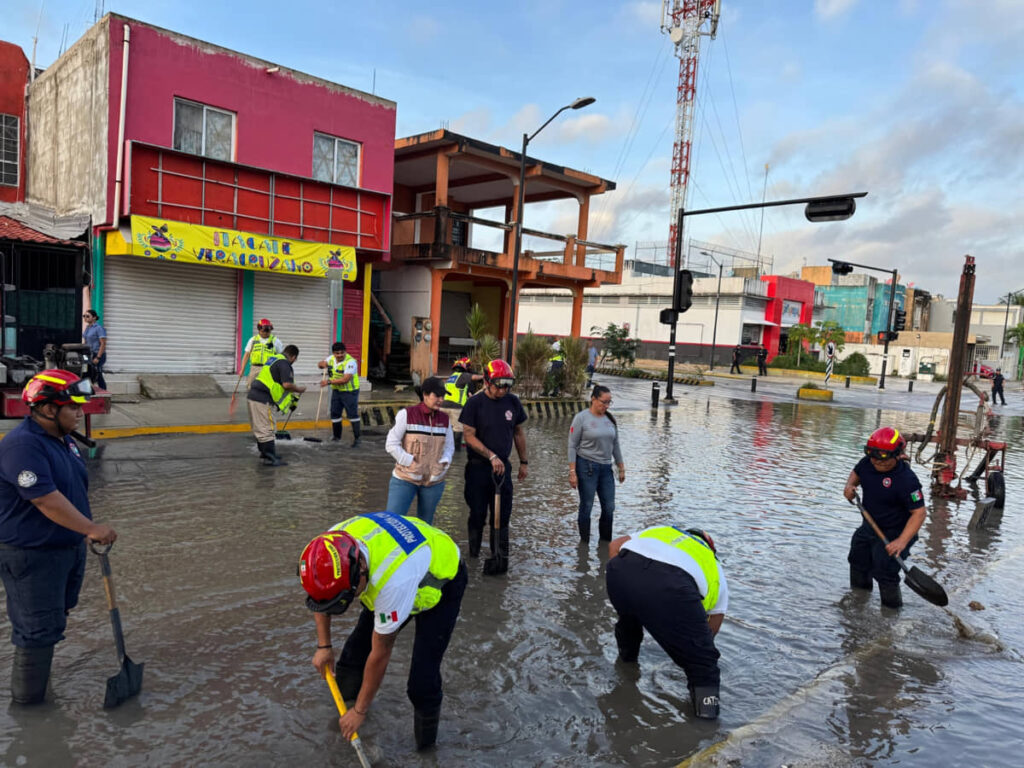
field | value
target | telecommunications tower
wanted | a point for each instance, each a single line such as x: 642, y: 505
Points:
x: 684, y: 21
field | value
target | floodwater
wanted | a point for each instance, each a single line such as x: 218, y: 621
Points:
x: 812, y: 676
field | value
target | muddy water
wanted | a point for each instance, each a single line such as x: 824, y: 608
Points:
x: 205, y: 571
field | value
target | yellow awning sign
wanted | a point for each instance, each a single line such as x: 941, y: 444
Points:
x: 196, y: 244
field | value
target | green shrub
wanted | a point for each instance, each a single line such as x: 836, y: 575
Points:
x: 811, y: 385
x: 531, y: 357
x: 939, y: 377
x: 854, y: 365
x: 574, y: 366
x: 806, y: 363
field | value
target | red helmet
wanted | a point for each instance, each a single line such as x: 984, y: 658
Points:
x: 462, y: 364
x: 264, y: 323
x: 885, y: 443
x: 500, y: 373
x: 703, y: 535
x: 329, y: 571
x: 57, y: 386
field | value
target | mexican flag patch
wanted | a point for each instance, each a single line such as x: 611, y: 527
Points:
x: 915, y: 496
x: 386, y: 617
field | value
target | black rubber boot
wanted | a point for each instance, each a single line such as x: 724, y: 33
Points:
x: 336, y: 430
x: 604, y: 531
x: 30, y: 673
x: 890, y: 594
x: 584, y: 530
x: 357, y: 430
x: 458, y: 441
x: 275, y: 460
x: 629, y: 656
x: 705, y: 701
x: 265, y: 453
x: 859, y: 579
x: 425, y: 722
x: 476, y: 536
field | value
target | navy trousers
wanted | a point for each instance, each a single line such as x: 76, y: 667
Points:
x: 664, y: 600
x: 433, y: 632
x: 868, y: 555
x: 42, y: 586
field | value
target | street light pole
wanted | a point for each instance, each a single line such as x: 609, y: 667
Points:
x: 585, y: 101
x: 888, y: 330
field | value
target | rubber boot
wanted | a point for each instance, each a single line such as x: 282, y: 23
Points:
x: 859, y: 579
x: 604, y: 531
x: 266, y: 455
x: 424, y: 725
x: 890, y: 594
x: 458, y: 441
x: 584, y: 527
x: 476, y: 536
x: 336, y: 431
x: 497, y: 564
x: 629, y: 656
x: 705, y: 701
x: 275, y: 460
x: 356, y: 432
x: 30, y: 672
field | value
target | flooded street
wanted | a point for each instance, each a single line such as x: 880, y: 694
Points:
x: 811, y: 675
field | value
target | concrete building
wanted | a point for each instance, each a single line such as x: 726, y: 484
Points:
x: 221, y: 188
x: 988, y: 322
x: 858, y: 302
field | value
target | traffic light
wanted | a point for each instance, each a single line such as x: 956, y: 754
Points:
x: 668, y: 317
x: 899, y: 321
x: 841, y: 268
x: 683, y: 295
x: 893, y: 335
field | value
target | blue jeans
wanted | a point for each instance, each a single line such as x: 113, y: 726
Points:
x: 42, y: 585
x: 593, y: 478
x: 402, y: 492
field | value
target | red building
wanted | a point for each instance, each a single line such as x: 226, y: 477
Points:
x: 791, y: 302
x: 222, y: 188
x: 13, y: 82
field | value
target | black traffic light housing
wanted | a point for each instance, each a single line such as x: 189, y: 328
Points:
x: 841, y: 268
x: 899, y: 321
x: 683, y: 294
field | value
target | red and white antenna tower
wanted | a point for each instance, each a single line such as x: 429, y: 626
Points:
x: 684, y: 22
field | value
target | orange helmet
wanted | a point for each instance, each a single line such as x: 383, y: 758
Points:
x: 499, y: 373
x: 462, y: 364
x: 57, y: 386
x: 329, y: 572
x: 885, y: 443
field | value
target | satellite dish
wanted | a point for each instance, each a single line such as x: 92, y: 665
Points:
x: 675, y: 34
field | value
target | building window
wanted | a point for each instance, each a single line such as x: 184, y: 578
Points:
x: 751, y: 335
x: 335, y: 160
x: 9, y: 150
x: 203, y: 130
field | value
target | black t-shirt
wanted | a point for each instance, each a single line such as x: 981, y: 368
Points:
x: 890, y: 496
x: 281, y: 372
x: 494, y: 422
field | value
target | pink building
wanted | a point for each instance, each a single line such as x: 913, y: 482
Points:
x: 791, y: 302
x: 222, y: 188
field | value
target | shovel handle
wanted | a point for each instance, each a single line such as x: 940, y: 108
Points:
x: 101, y: 551
x: 357, y: 745
x: 874, y: 526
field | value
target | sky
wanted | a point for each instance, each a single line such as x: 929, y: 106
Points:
x: 918, y: 102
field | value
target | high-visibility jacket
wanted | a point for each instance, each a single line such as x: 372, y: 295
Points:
x: 556, y: 358
x: 338, y: 370
x: 391, y: 539
x: 262, y: 349
x: 453, y: 393
x: 696, y: 548
x: 283, y: 399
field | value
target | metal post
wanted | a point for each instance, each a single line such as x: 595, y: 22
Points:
x: 675, y: 303
x: 714, y: 331
x: 514, y: 293
x: 655, y: 394
x: 753, y: 384
x: 888, y: 329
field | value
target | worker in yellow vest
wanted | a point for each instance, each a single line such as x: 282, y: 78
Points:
x: 274, y: 390
x: 667, y: 580
x: 556, y: 364
x: 343, y: 378
x: 399, y: 568
x: 259, y: 348
x: 457, y: 390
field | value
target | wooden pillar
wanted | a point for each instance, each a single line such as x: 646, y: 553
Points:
x: 581, y: 230
x: 577, y: 312
x: 441, y: 190
x: 436, y: 289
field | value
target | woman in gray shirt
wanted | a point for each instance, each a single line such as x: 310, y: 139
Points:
x: 593, y: 444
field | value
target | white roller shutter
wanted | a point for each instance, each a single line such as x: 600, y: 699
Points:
x: 300, y: 309
x: 165, y: 317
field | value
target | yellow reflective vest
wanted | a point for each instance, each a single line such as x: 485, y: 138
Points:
x: 696, y: 548
x: 453, y: 393
x: 261, y: 349
x: 391, y: 539
x: 338, y: 370
x: 282, y: 398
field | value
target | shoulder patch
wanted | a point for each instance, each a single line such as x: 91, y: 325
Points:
x: 916, y: 496
x: 27, y: 478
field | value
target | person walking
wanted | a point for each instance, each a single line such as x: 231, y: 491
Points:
x: 492, y: 423
x: 736, y: 353
x: 591, y: 363
x: 762, y: 361
x: 259, y: 348
x: 399, y: 568
x: 45, y: 518
x: 457, y: 390
x: 556, y: 365
x: 422, y: 445
x: 343, y: 378
x: 593, y: 445
x: 667, y: 580
x: 273, y: 389
x: 997, y: 386
x: 893, y: 497
x: 95, y: 335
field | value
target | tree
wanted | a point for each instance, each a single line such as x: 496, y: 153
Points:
x: 797, y: 335
x: 617, y: 344
x: 1015, y: 335
x: 487, y: 346
x: 830, y: 330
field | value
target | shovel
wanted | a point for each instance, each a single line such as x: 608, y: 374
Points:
x: 127, y: 682
x: 915, y: 578
x: 357, y: 745
x: 231, y: 405
x: 497, y: 563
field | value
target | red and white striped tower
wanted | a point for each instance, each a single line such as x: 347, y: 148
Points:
x: 684, y: 22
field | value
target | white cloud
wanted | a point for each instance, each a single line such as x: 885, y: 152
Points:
x: 647, y: 13
x: 830, y: 9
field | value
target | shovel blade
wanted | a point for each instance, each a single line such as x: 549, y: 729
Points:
x: 926, y: 587
x: 282, y: 436
x: 124, y: 685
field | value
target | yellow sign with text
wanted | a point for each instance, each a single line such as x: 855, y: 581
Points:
x: 195, y: 244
